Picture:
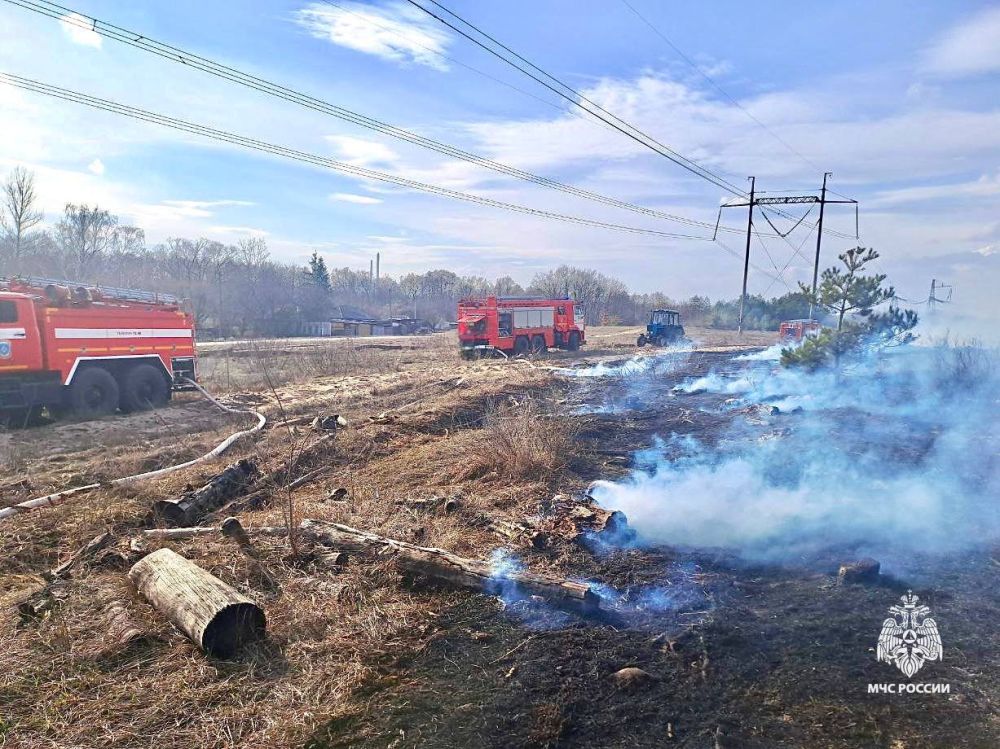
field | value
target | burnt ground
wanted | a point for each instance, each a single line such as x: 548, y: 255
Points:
x: 737, y: 655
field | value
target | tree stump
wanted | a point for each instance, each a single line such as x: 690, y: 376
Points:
x: 216, y: 617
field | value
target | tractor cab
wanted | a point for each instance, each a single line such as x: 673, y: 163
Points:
x: 664, y: 328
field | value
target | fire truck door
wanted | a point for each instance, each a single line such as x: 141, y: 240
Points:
x: 20, y: 346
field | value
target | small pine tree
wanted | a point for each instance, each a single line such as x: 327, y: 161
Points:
x: 846, y: 292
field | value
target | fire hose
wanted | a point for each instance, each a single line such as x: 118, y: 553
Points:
x: 50, y: 500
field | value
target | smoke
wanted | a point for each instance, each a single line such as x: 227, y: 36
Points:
x: 636, y: 365
x: 899, y: 454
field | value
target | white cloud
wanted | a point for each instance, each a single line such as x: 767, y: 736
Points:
x: 969, y: 48
x: 395, y: 32
x: 246, y: 231
x: 346, y: 197
x: 362, y: 152
x: 201, y: 208
x: 78, y: 29
x: 984, y: 187
x: 96, y: 167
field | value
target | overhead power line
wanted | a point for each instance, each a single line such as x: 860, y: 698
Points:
x: 576, y: 98
x: 712, y: 81
x: 203, y: 64
x: 314, y: 159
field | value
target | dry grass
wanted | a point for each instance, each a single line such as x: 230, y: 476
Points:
x: 242, y: 365
x: 517, y: 443
x: 61, y: 687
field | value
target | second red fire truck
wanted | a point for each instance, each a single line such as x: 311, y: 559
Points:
x: 519, y: 325
x: 90, y: 350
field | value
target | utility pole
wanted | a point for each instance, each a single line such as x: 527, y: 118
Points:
x: 932, y: 299
x: 819, y: 242
x: 746, y: 258
x: 784, y: 200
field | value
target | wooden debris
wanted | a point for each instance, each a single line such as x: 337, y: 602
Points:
x: 177, y: 534
x: 215, y: 616
x: 119, y: 628
x: 445, y: 567
x: 233, y: 528
x: 520, y: 532
x: 190, y: 506
x: 93, y: 546
x: 630, y: 677
x: 42, y: 602
x: 587, y: 523
x: 328, y: 423
x: 863, y: 571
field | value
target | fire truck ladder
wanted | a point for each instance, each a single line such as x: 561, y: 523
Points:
x: 108, y: 292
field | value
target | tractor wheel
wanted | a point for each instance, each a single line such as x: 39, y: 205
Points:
x: 94, y: 393
x: 538, y: 345
x: 574, y: 341
x: 642, y: 341
x: 145, y: 388
x: 521, y: 345
x: 661, y: 341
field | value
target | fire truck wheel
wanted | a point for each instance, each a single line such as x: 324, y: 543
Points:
x: 538, y: 345
x: 144, y: 388
x: 574, y: 341
x: 521, y: 345
x: 93, y: 393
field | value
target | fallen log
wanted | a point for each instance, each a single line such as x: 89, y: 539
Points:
x: 187, y: 508
x: 215, y: 616
x: 176, y: 534
x: 443, y: 566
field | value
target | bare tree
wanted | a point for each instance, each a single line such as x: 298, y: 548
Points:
x: 85, y: 234
x: 17, y: 210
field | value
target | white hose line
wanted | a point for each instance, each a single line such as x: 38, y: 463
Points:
x: 59, y: 497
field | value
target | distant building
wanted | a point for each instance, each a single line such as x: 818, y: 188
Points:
x: 361, y: 327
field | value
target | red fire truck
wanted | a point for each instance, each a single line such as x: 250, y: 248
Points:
x: 90, y: 350
x: 518, y: 325
x: 796, y: 331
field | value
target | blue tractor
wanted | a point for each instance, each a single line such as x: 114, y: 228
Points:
x: 664, y: 328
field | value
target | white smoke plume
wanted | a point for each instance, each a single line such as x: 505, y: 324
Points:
x: 900, y: 453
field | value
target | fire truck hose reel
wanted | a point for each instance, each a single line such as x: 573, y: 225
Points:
x: 59, y: 497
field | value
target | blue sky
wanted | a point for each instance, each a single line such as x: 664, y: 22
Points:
x: 901, y: 101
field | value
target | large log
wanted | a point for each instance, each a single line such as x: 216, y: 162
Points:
x: 216, y: 617
x: 187, y: 508
x: 443, y: 566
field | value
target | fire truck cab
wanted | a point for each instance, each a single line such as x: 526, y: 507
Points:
x: 90, y: 351
x: 519, y: 325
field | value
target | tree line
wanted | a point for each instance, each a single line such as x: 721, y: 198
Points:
x: 240, y: 290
